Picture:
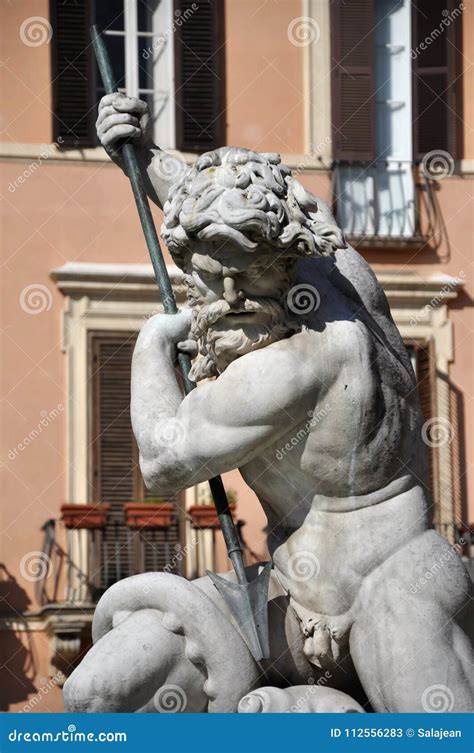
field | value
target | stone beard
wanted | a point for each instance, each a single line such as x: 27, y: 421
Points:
x: 219, y: 342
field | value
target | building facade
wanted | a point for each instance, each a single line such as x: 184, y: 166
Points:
x: 367, y: 101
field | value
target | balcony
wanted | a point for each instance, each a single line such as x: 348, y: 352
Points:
x: 92, y: 547
x: 83, y: 562
x: 386, y: 203
x: 84, y: 553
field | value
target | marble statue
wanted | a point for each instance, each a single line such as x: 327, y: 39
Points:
x: 306, y: 387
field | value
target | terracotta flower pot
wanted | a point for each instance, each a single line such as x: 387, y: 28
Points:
x: 205, y: 516
x: 85, y: 516
x: 151, y: 515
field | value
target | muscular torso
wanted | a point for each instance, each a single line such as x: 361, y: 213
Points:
x: 324, y: 426
x: 343, y: 485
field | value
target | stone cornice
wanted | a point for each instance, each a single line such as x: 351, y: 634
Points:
x: 82, y: 278
x: 420, y: 289
x: 305, y: 162
x: 51, y: 153
x: 48, y: 617
x: 114, y: 280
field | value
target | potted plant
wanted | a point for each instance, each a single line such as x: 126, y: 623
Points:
x: 205, y: 516
x: 151, y: 513
x: 85, y: 516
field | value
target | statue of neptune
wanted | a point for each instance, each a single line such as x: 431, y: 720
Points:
x: 307, y: 389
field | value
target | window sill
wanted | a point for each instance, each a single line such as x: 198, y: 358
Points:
x: 395, y: 243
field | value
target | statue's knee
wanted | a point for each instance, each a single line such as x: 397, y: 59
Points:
x: 133, y: 667
x: 86, y: 693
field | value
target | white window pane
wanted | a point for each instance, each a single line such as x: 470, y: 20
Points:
x: 378, y: 199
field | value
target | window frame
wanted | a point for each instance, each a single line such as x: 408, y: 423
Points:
x: 164, y: 132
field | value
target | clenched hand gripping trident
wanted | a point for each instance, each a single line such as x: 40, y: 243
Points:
x: 246, y: 600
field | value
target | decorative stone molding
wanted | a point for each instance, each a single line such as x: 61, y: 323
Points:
x: 41, y: 153
x: 317, y: 88
x: 97, y: 280
x: 65, y: 641
x: 67, y: 628
x: 419, y: 306
x: 317, y: 139
x: 105, y: 297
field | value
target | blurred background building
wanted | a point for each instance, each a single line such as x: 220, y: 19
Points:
x: 367, y: 101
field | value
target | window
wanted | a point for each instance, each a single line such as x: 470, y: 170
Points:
x: 114, y: 474
x: 390, y: 107
x: 200, y: 76
x: 72, y: 73
x: 167, y: 52
x: 142, y: 56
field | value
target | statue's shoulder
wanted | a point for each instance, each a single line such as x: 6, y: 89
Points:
x: 353, y: 292
x: 346, y: 270
x: 354, y: 276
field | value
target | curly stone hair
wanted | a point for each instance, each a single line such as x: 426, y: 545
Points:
x: 250, y: 199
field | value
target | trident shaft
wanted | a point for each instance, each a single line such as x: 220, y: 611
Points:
x: 247, y: 601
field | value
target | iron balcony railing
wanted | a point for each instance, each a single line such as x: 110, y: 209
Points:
x: 384, y: 201
x: 77, y: 566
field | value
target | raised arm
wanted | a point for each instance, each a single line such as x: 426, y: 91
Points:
x: 222, y: 424
x: 121, y: 117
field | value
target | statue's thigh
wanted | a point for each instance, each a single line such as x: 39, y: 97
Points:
x: 407, y: 643
x: 136, y: 664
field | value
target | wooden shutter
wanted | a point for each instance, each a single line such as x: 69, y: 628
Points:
x: 72, y: 72
x: 436, y: 92
x: 114, y: 469
x: 426, y: 379
x: 199, y: 74
x: 353, y: 90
